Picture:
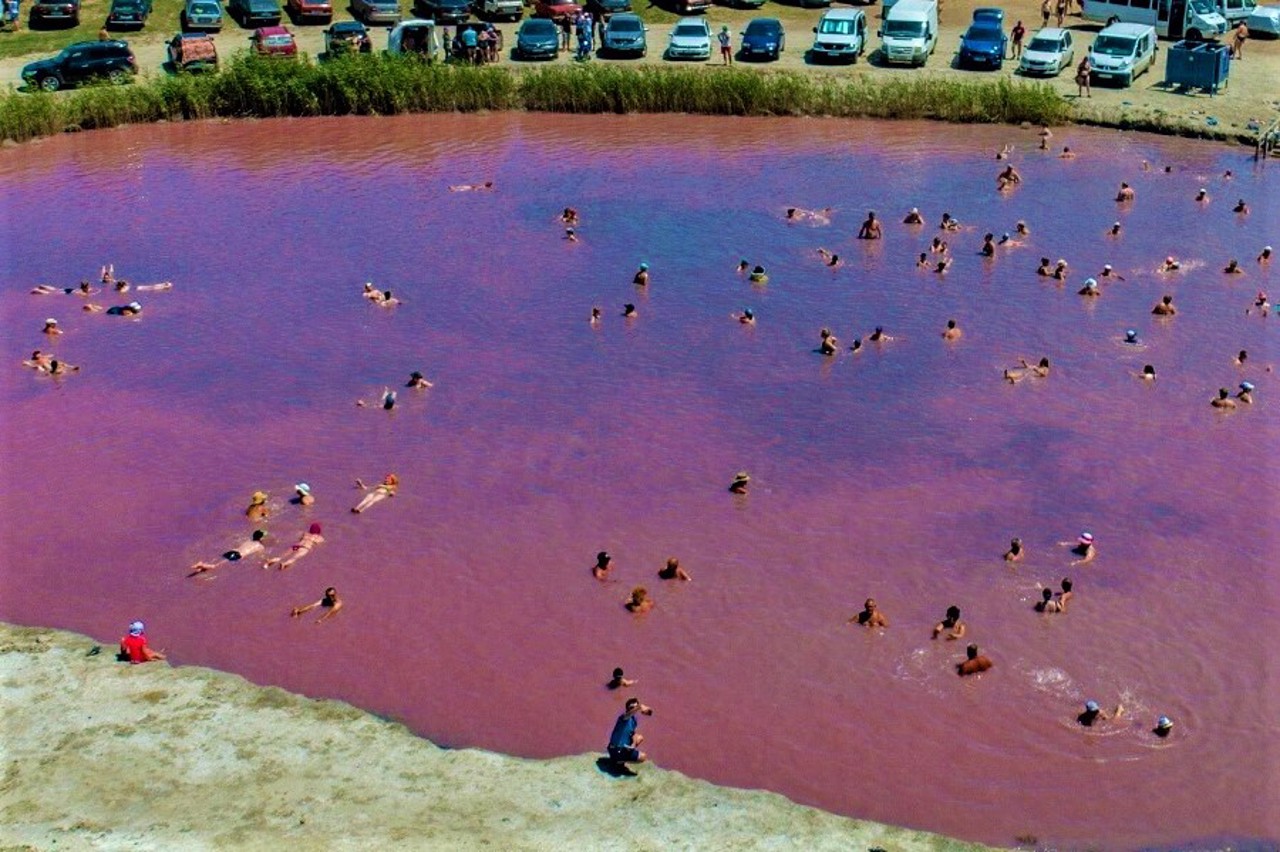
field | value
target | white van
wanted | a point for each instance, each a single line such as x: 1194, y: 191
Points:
x: 909, y: 32
x: 1193, y: 19
x: 1235, y: 11
x: 1123, y: 51
x: 840, y: 34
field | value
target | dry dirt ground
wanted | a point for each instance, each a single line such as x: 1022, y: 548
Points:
x: 104, y: 755
x: 1253, y: 92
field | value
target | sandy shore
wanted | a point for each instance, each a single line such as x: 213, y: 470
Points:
x: 104, y: 755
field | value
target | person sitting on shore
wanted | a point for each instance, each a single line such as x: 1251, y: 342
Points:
x: 639, y: 601
x: 1125, y: 193
x: 673, y: 571
x: 1082, y: 547
x: 741, y: 480
x: 330, y: 602
x: 952, y: 331
x: 973, y: 662
x: 624, y: 741
x: 951, y: 625
x: 871, y: 616
x: 1165, y: 307
x: 381, y: 491
x: 1015, y: 551
x: 134, y: 647
x: 258, y: 508
x: 870, y: 229
x: 305, y: 543
x: 913, y: 217
x: 1094, y: 713
x: 1046, y: 603
x: 240, y: 551
x: 620, y: 681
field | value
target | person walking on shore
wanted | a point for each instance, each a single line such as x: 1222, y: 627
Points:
x: 1083, y: 71
x: 1015, y: 40
x: 1238, y: 38
x: 624, y: 742
x: 726, y: 45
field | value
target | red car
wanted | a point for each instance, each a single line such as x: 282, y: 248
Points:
x: 310, y: 10
x: 556, y: 9
x: 273, y: 41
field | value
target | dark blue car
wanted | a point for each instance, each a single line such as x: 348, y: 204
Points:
x: 537, y: 38
x: 985, y: 42
x: 763, y: 39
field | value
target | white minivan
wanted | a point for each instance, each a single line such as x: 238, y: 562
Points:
x: 840, y: 34
x: 909, y: 32
x: 1193, y: 19
x: 1123, y: 51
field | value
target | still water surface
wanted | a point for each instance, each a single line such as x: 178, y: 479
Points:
x: 900, y: 472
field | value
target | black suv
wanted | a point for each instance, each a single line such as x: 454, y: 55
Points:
x: 82, y: 61
x: 54, y: 11
x: 443, y: 11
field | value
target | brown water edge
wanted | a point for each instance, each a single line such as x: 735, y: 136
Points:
x: 103, y: 754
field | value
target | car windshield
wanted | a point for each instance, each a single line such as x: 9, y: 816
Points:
x: 204, y: 9
x: 1044, y: 45
x: 625, y: 25
x: 126, y: 5
x: 690, y: 31
x: 984, y: 31
x: 903, y: 28
x: 1202, y: 7
x: 836, y: 26
x: 760, y: 29
x: 538, y: 26
x: 1113, y: 46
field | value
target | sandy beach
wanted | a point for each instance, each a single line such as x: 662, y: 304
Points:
x: 104, y: 755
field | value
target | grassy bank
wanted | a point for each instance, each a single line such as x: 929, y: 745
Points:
x: 381, y: 85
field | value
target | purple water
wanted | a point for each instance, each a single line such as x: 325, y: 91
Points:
x: 899, y: 473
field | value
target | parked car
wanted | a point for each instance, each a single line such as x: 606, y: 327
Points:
x: 537, y: 38
x: 815, y: 4
x: 275, y: 41
x: 684, y: 7
x: 604, y: 8
x: 500, y: 10
x: 414, y: 37
x: 909, y: 32
x: 202, y: 16
x: 376, y: 11
x: 255, y: 13
x: 743, y: 4
x: 985, y: 42
x: 556, y: 9
x: 1123, y: 51
x: 84, y: 60
x: 192, y: 52
x: 310, y: 10
x: 488, y: 43
x: 1049, y: 51
x: 625, y: 35
x: 442, y: 11
x: 840, y: 34
x: 1264, y: 20
x: 346, y: 37
x: 128, y: 14
x: 54, y: 12
x: 763, y: 39
x: 690, y: 39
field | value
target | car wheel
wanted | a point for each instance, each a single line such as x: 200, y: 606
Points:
x: 49, y: 84
x: 118, y: 76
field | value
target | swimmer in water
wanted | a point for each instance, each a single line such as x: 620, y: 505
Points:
x: 1020, y: 228
x: 923, y: 260
x: 162, y: 285
x: 1170, y: 264
x: 51, y: 327
x: 1131, y: 337
x: 829, y: 344
x: 1046, y: 603
x: 629, y: 311
x: 371, y: 293
x: 387, y: 488
x: 1006, y: 239
x: 870, y: 229
x: 951, y: 625
x: 1115, y: 229
x: 1008, y: 178
x: 758, y: 275
x: 871, y: 616
x: 1090, y: 288
x: 639, y: 601
x: 952, y: 331
x: 1265, y: 256
x: 258, y: 508
x: 1065, y: 596
x: 942, y: 265
x: 305, y: 497
x: 938, y: 246
x: 1223, y: 399
x: 1239, y: 360
x: 948, y: 223
x: 747, y: 317
x: 641, y: 278
x: 108, y: 274
x: 830, y: 259
x: 330, y: 602
x: 1015, y: 552
x: 132, y: 309
x: 619, y: 680
x: 61, y: 368
x: 1108, y: 272
x: 673, y: 571
x: 973, y: 662
x: 571, y: 235
x: 743, y: 266
x: 1148, y: 373
x: 603, y: 563
x: 386, y: 300
x: 857, y: 345
x: 1202, y: 195
x: 1036, y: 371
x: 240, y: 551
x: 1045, y: 269
x: 1082, y: 547
x: 38, y: 361
x: 913, y: 217
x: 1067, y: 154
x: 1246, y: 393
x: 569, y: 216
x: 305, y: 543
x: 388, y: 399
x: 1125, y: 193
x: 741, y: 480
x: 988, y: 246
x: 1233, y: 267
x: 1165, y: 307
x: 1003, y: 153
x: 472, y: 187
x: 1094, y: 713
x: 417, y: 380
x: 878, y: 335
x: 1060, y: 270
x: 1241, y: 208
x: 1164, y: 725
x: 595, y: 315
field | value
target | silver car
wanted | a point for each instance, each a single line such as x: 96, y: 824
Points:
x: 690, y: 39
x: 1049, y: 51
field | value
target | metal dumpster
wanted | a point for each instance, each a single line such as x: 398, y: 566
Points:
x: 1198, y: 65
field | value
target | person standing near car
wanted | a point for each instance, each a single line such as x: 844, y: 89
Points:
x: 565, y: 27
x: 1015, y: 40
x: 726, y: 45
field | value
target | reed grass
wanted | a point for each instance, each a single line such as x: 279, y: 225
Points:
x: 385, y: 85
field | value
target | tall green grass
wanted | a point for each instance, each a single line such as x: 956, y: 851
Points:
x: 384, y: 85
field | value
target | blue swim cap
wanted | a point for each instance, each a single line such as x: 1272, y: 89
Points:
x: 1091, y: 706
x: 644, y: 266
x: 1164, y: 722
x: 1130, y: 335
x: 1246, y: 386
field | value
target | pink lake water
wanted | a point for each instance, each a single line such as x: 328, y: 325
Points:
x: 900, y: 472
